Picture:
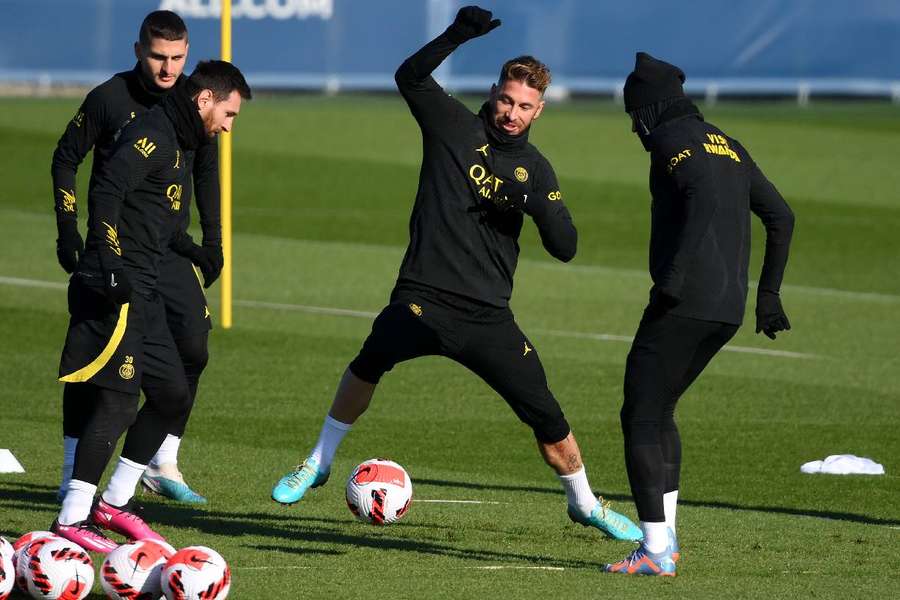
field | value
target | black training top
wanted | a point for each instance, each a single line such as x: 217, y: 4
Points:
x: 459, y: 241
x: 105, y: 111
x: 704, y: 185
x: 135, y: 204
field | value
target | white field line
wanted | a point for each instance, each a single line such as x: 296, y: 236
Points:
x: 498, y: 567
x: 344, y: 312
x: 605, y: 337
x: 487, y: 568
x: 417, y: 501
x: 800, y: 289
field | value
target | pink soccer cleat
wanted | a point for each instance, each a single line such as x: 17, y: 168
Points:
x: 86, y: 535
x: 123, y: 520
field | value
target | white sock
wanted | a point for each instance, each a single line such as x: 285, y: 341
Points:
x: 69, y: 446
x: 656, y: 536
x: 578, y: 492
x: 670, y: 501
x: 77, y: 505
x: 124, y: 479
x: 167, y: 453
x: 333, y: 432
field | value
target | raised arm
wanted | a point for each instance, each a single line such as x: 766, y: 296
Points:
x: 431, y: 106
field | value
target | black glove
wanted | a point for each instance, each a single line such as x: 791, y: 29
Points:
x: 209, y: 260
x: 69, y: 245
x: 116, y: 286
x: 770, y: 317
x: 514, y: 196
x: 471, y: 22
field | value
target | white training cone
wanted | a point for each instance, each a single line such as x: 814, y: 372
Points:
x: 8, y: 462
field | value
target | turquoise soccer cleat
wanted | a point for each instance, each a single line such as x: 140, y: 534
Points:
x: 291, y: 488
x: 166, y: 480
x: 644, y: 562
x: 609, y: 522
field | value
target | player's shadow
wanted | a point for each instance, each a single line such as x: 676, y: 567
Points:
x: 315, y: 530
x: 467, y: 485
x: 797, y: 512
x: 31, y: 494
x: 802, y: 512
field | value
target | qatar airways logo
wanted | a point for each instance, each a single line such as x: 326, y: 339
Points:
x: 252, y: 9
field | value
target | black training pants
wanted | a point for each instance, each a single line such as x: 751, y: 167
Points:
x: 667, y: 355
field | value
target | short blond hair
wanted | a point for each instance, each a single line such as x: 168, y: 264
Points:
x: 528, y: 70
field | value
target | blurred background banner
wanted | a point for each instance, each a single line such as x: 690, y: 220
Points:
x: 760, y: 47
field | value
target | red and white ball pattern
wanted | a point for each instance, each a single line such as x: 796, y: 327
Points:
x: 7, y: 570
x: 132, y: 571
x: 21, y: 553
x: 196, y: 573
x: 379, y: 491
x: 58, y: 570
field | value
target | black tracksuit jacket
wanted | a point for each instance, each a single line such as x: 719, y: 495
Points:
x: 135, y: 205
x: 460, y: 242
x: 704, y: 186
x: 97, y: 124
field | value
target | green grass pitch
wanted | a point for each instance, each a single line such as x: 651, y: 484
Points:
x: 323, y: 189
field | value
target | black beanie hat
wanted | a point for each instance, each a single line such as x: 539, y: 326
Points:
x: 652, y: 81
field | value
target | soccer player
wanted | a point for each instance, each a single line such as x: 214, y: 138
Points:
x: 161, y: 51
x: 704, y: 186
x: 480, y: 176
x: 118, y: 341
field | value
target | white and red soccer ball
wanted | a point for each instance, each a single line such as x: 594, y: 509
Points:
x: 7, y: 569
x: 57, y: 570
x: 132, y: 571
x: 196, y: 573
x: 21, y: 549
x: 379, y: 491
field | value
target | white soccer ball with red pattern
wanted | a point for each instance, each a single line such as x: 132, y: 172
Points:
x: 7, y: 569
x: 379, y: 491
x: 58, y: 570
x: 196, y: 573
x: 20, y: 550
x: 132, y: 571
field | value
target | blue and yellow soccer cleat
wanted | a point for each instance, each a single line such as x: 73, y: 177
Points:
x: 609, y: 522
x: 166, y: 480
x: 673, y: 544
x: 644, y: 562
x: 291, y: 488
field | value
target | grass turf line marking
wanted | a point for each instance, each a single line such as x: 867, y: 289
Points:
x: 459, y: 501
x: 344, y: 312
x: 498, y: 567
x: 362, y: 314
x: 626, y: 338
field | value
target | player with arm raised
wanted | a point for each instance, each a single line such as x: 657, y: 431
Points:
x: 479, y: 178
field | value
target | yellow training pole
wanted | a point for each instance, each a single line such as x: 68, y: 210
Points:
x: 225, y: 181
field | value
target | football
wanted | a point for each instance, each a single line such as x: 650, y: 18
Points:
x: 379, y: 491
x: 7, y: 570
x: 196, y: 573
x: 58, y: 569
x: 133, y: 570
x: 19, y: 550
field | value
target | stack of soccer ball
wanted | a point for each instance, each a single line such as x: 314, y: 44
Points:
x: 49, y: 567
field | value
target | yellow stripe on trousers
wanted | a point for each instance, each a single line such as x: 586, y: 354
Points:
x: 85, y: 373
